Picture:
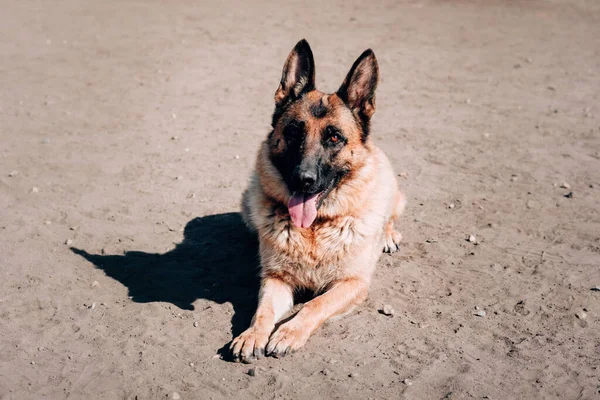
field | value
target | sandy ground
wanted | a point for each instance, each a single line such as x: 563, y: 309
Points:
x: 128, y: 131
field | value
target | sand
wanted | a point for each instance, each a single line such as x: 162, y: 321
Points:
x: 128, y: 131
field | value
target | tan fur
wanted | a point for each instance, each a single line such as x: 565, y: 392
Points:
x: 337, y: 255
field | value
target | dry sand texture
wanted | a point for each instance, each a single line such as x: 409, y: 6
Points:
x: 128, y: 130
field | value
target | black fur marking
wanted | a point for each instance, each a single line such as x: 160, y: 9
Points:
x: 279, y: 110
x: 319, y: 110
x: 286, y: 162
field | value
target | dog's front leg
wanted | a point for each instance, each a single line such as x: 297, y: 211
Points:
x: 343, y: 296
x: 275, y: 299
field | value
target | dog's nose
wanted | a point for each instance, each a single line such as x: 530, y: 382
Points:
x: 307, y: 178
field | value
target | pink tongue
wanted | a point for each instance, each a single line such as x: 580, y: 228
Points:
x: 303, y: 209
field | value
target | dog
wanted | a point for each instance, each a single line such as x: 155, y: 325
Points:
x: 323, y: 200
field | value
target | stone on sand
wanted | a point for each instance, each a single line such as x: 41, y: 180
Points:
x: 387, y: 310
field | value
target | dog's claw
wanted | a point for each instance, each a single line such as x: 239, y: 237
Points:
x: 249, y: 346
x: 392, y: 241
x: 248, y: 360
x: 269, y: 351
x: 259, y: 353
x: 283, y: 353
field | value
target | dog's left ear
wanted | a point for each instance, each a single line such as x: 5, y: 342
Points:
x: 358, y: 89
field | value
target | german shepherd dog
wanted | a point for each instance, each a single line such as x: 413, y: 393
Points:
x: 323, y: 200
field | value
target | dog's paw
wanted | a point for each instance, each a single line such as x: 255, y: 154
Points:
x: 249, y: 346
x: 392, y: 241
x: 287, y: 339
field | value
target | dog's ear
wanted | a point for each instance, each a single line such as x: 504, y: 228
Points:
x: 298, y: 75
x: 358, y: 89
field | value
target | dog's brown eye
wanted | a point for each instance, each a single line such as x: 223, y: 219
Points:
x: 333, y: 135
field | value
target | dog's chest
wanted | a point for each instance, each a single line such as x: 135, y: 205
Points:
x: 324, y: 243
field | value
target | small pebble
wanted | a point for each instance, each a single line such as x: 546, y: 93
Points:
x: 33, y: 363
x: 40, y: 349
x: 514, y: 177
x: 13, y: 173
x: 407, y: 382
x: 451, y: 206
x: 179, y: 178
x: 354, y: 375
x: 252, y: 372
x: 581, y: 315
x: 173, y: 115
x: 472, y: 239
x: 196, y: 324
x: 569, y: 195
x: 35, y: 190
x: 95, y: 284
x: 174, y: 396
x: 92, y: 306
x: 387, y: 310
x: 325, y: 372
x: 68, y: 242
x: 403, y: 174
x: 237, y: 157
x: 477, y: 308
x: 565, y: 185
x: 174, y: 137
x: 481, y: 313
x: 192, y: 364
x: 47, y: 222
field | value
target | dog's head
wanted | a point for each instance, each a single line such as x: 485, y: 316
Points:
x: 319, y: 139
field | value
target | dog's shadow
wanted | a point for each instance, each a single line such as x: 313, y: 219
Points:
x: 217, y: 260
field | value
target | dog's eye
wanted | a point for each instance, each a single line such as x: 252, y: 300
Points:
x: 333, y: 135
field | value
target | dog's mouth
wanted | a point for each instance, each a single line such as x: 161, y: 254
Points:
x: 303, y: 208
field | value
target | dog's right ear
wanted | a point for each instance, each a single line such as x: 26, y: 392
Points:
x: 298, y: 75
